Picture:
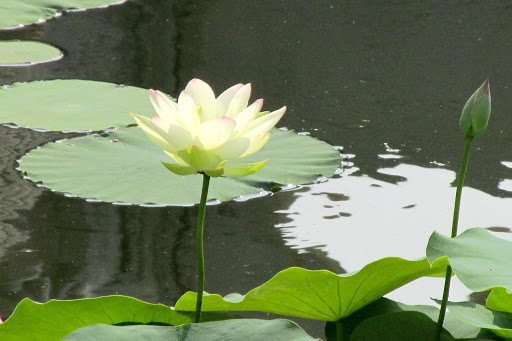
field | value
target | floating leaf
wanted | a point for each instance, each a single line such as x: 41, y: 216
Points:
x: 234, y: 330
x: 320, y: 294
x: 477, y: 315
x: 401, y: 326
x: 72, y: 105
x: 55, y: 319
x: 125, y: 166
x: 16, y: 52
x: 18, y: 12
x: 480, y: 260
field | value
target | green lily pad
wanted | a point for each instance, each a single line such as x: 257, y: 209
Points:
x: 72, y: 105
x: 400, y: 326
x: 125, y: 166
x: 16, y: 52
x: 480, y: 260
x: 248, y: 330
x: 55, y: 319
x: 477, y: 315
x: 24, y: 12
x: 320, y: 294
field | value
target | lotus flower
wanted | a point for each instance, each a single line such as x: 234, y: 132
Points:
x: 201, y: 133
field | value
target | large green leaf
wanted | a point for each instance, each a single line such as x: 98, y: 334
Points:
x: 55, y: 319
x: 383, y: 305
x: 480, y: 260
x: 27, y: 52
x: 400, y: 326
x: 247, y: 330
x: 499, y: 300
x: 320, y: 294
x: 72, y: 105
x: 125, y: 166
x: 25, y: 12
x: 477, y: 315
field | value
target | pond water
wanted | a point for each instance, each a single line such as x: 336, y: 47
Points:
x: 384, y: 80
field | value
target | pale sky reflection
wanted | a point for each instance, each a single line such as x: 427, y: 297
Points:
x: 358, y: 219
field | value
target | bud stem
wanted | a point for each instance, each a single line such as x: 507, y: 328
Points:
x: 199, y: 245
x: 455, y: 223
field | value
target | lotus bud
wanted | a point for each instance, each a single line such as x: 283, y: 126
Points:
x: 477, y: 111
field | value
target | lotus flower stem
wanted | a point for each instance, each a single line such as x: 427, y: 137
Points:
x: 455, y: 223
x: 199, y: 245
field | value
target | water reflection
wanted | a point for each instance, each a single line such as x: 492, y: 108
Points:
x: 357, y: 219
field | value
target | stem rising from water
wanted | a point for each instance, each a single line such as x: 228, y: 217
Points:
x: 455, y: 224
x: 199, y: 245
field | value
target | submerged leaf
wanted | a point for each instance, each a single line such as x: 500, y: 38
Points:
x: 126, y: 166
x: 320, y: 294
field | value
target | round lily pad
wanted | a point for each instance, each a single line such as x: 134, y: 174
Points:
x: 72, y: 105
x: 27, y: 52
x: 124, y: 166
x: 25, y: 12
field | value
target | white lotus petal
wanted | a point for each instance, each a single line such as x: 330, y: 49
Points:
x: 233, y: 149
x: 257, y: 142
x: 176, y: 158
x: 188, y: 112
x: 162, y: 124
x: 155, y: 133
x: 181, y: 138
x: 239, y: 101
x: 165, y: 108
x: 204, y: 97
x: 214, y: 133
x: 247, y: 116
x: 225, y: 98
x: 263, y: 124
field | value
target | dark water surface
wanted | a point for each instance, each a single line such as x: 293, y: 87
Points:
x: 385, y: 80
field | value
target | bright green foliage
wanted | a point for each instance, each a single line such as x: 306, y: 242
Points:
x: 480, y: 260
x: 500, y: 300
x: 477, y: 111
x: 55, y: 319
x: 477, y: 315
x: 400, y: 326
x: 26, y: 52
x: 320, y: 294
x: 72, y: 105
x: 126, y: 166
x: 232, y: 330
x: 26, y: 12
